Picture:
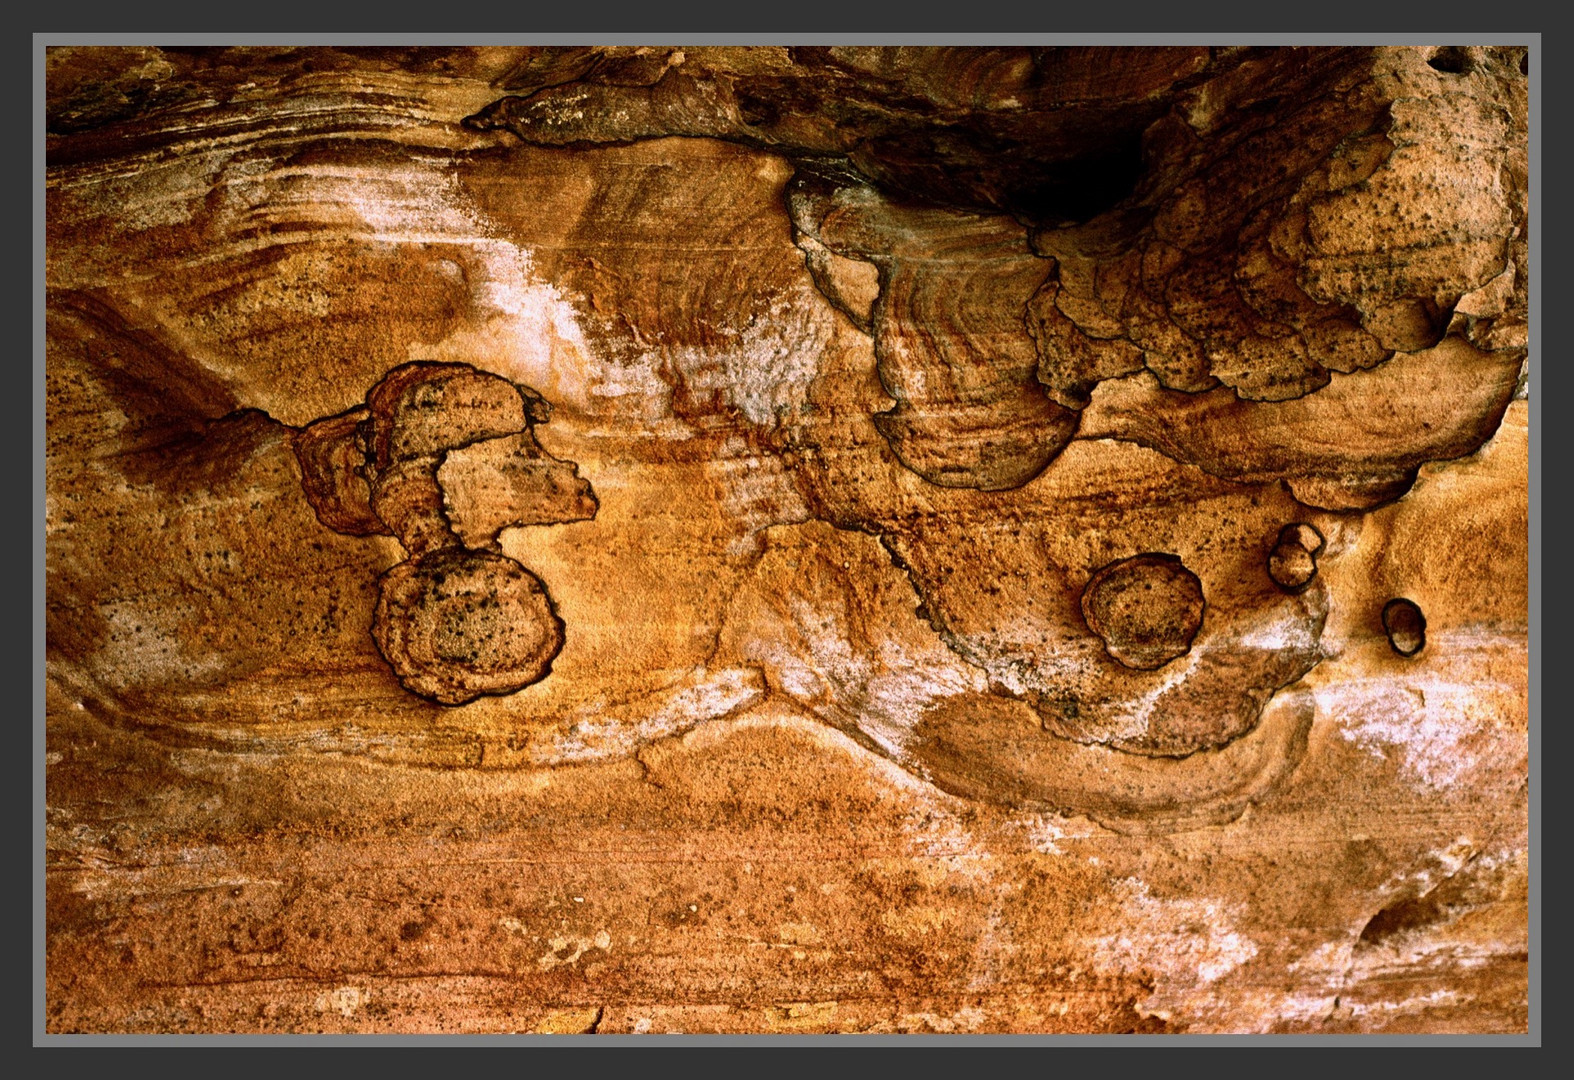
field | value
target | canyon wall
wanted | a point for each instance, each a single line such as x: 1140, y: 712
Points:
x: 763, y: 539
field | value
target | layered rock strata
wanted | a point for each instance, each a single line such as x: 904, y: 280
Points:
x: 787, y: 539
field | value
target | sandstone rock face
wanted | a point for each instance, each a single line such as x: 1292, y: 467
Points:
x: 834, y: 539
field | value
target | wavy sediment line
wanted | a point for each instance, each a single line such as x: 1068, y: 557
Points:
x: 995, y: 752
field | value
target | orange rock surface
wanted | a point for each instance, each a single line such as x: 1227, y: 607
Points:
x: 767, y: 539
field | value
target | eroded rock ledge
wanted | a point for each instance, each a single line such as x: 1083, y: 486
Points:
x: 1024, y: 539
x: 1041, y: 221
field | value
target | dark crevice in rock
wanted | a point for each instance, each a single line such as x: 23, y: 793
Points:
x: 1453, y: 59
x: 1459, y: 892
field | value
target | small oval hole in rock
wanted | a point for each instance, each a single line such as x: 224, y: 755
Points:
x: 1405, y: 626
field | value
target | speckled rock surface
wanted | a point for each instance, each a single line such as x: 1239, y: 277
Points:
x: 769, y: 539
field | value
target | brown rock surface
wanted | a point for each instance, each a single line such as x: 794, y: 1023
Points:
x: 766, y: 539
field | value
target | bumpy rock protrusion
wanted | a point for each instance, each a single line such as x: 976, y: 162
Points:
x: 508, y: 482
x: 1293, y: 561
x: 442, y: 456
x: 950, y: 342
x: 456, y: 624
x: 1147, y: 608
x: 332, y: 454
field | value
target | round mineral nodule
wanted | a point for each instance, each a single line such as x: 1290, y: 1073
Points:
x: 1147, y: 608
x: 458, y: 623
x: 1293, y: 561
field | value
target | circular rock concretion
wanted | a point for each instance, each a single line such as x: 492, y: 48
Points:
x: 1147, y: 608
x: 458, y: 623
x: 1405, y: 626
x: 1293, y: 561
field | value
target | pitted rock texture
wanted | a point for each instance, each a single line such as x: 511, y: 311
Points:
x: 643, y: 539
